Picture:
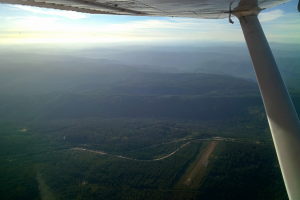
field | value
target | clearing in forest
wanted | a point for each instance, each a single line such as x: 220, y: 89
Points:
x: 193, y: 177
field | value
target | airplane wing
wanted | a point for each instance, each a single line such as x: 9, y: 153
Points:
x: 172, y: 8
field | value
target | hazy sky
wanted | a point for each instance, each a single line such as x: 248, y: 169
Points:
x: 23, y: 24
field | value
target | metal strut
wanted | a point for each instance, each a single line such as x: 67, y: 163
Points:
x: 282, y: 117
x: 230, y: 14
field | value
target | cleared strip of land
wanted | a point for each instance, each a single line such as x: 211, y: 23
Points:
x: 45, y: 191
x: 195, y: 173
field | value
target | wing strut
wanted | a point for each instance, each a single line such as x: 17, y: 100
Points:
x: 282, y: 117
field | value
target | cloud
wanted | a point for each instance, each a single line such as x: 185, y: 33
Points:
x: 271, y: 15
x: 48, y: 26
x: 67, y: 14
x: 168, y: 29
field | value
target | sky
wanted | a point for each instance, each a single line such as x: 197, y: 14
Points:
x: 28, y: 25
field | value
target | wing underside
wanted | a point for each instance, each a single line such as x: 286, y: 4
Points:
x: 172, y: 8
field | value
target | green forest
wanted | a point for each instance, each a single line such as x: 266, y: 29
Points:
x: 116, y: 133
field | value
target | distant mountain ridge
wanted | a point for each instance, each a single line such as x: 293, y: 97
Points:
x: 40, y: 94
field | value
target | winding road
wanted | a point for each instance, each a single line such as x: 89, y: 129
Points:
x: 189, y: 140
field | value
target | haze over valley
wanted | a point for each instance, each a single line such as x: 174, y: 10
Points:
x: 136, y: 122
